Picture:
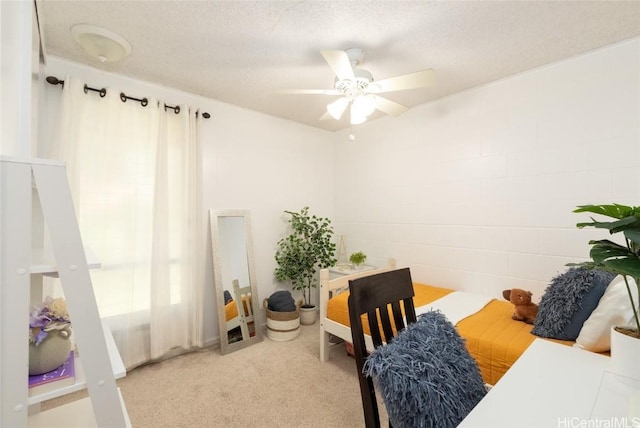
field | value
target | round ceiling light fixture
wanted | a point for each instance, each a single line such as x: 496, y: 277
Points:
x: 102, y: 44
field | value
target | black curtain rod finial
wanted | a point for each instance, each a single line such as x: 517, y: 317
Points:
x: 53, y: 80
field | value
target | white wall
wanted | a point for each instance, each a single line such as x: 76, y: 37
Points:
x: 250, y: 161
x: 476, y: 191
x: 19, y: 83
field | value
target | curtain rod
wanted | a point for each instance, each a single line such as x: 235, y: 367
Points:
x: 53, y: 80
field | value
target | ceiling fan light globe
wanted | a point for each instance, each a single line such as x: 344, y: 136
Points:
x: 336, y: 108
x: 356, y: 118
x: 364, y: 105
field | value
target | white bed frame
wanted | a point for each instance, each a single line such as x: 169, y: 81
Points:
x: 242, y: 319
x: 333, y: 287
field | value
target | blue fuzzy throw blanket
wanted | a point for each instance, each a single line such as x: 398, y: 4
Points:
x: 426, y: 376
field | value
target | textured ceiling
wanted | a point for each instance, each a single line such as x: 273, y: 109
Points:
x: 243, y: 52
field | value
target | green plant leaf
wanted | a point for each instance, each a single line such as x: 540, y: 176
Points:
x: 612, y: 257
x: 633, y: 235
x: 631, y: 222
x: 612, y: 226
x: 624, y: 266
x: 604, y: 249
x: 358, y: 258
x: 615, y: 258
x: 610, y: 210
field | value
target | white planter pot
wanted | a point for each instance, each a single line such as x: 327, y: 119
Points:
x: 625, y: 353
x: 308, y: 316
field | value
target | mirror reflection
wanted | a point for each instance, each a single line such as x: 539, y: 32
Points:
x: 234, y: 279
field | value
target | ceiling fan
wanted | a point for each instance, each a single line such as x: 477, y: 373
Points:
x: 359, y: 91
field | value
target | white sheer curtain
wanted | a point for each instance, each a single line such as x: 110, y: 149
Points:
x: 135, y: 176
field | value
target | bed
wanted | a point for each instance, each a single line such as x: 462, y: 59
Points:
x: 492, y: 337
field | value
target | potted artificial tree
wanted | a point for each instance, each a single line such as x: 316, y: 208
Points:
x: 307, y: 248
x: 622, y: 260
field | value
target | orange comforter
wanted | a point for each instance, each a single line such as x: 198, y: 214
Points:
x: 231, y: 309
x: 493, y: 339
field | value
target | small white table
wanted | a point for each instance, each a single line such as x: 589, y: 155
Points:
x: 554, y: 385
x: 338, y: 271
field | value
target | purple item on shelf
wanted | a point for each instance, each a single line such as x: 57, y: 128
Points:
x: 65, y: 371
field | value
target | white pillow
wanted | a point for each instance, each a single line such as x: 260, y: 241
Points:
x: 613, y: 309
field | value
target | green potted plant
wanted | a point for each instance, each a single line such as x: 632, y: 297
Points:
x: 622, y: 260
x: 307, y: 248
x: 357, y: 258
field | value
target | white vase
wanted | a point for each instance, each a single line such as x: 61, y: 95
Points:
x: 308, y: 316
x: 625, y: 351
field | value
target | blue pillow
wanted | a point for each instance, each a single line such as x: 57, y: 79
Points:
x: 568, y: 301
x: 227, y: 297
x: 426, y: 376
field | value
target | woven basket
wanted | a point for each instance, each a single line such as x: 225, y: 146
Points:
x: 282, y: 326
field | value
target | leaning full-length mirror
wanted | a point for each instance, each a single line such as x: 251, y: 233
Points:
x: 234, y: 276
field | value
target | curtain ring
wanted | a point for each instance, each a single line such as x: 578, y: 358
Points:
x: 175, y: 109
x: 102, y: 91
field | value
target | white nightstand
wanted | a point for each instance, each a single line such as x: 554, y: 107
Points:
x: 342, y: 270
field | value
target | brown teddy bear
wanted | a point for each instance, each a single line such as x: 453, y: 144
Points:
x: 524, y: 309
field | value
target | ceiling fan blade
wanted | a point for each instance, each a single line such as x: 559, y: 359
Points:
x: 419, y: 79
x: 389, y: 107
x: 309, y: 91
x: 326, y: 116
x: 339, y: 63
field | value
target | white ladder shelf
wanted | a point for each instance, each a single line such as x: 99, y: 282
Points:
x: 16, y: 205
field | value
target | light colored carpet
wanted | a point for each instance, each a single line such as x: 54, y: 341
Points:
x: 269, y: 384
